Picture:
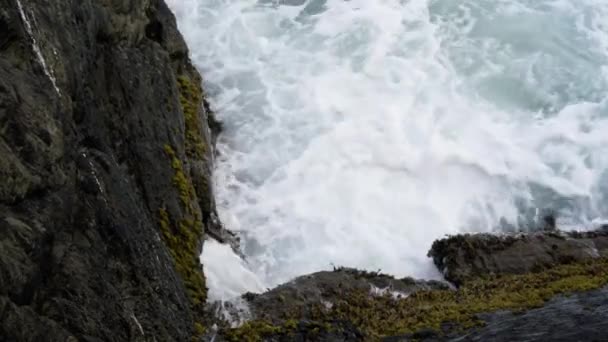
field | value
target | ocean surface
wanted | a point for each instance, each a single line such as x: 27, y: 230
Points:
x: 357, y: 132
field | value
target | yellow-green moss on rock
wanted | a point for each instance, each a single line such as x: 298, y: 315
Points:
x: 190, y: 98
x: 380, y: 316
x: 186, y: 190
x: 255, y: 331
x: 183, y: 237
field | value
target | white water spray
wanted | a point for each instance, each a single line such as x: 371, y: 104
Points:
x: 357, y: 132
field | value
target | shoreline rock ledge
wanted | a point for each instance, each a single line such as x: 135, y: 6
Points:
x: 540, y: 286
x: 463, y: 257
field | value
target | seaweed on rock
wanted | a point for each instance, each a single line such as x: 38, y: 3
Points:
x: 191, y: 99
x: 380, y: 316
x: 183, y: 238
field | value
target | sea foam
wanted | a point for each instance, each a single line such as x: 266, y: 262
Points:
x: 357, y: 132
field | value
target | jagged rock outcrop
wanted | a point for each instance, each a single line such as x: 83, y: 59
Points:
x: 105, y: 162
x: 329, y: 287
x: 351, y: 305
x: 298, y: 310
x: 463, y: 257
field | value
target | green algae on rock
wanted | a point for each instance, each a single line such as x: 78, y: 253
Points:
x: 100, y: 227
x: 184, y: 238
x: 464, y: 257
x: 191, y: 100
x: 385, y: 315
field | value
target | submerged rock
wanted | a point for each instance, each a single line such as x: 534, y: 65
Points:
x: 464, y: 257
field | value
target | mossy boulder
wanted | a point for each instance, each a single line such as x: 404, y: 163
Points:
x: 436, y: 312
x: 352, y: 305
x: 464, y: 257
x: 298, y: 297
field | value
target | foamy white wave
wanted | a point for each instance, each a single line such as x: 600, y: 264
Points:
x: 229, y: 276
x: 359, y: 131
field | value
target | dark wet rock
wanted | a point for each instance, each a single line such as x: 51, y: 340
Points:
x: 463, y: 257
x: 578, y: 317
x: 105, y: 163
x: 325, y: 288
x: 352, y: 305
x: 295, y: 306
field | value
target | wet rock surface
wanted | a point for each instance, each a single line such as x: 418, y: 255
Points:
x: 560, y: 301
x: 325, y: 288
x: 295, y: 305
x: 91, y: 95
x: 578, y: 317
x: 463, y: 257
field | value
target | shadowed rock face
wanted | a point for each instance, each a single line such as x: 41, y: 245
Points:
x: 93, y: 95
x: 463, y: 257
x: 578, y: 317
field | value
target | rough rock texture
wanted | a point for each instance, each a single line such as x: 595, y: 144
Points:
x: 351, y: 305
x: 578, y: 317
x: 326, y: 288
x: 295, y: 305
x: 463, y: 257
x: 105, y: 157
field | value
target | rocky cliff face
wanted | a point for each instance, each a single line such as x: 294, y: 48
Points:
x: 105, y: 161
